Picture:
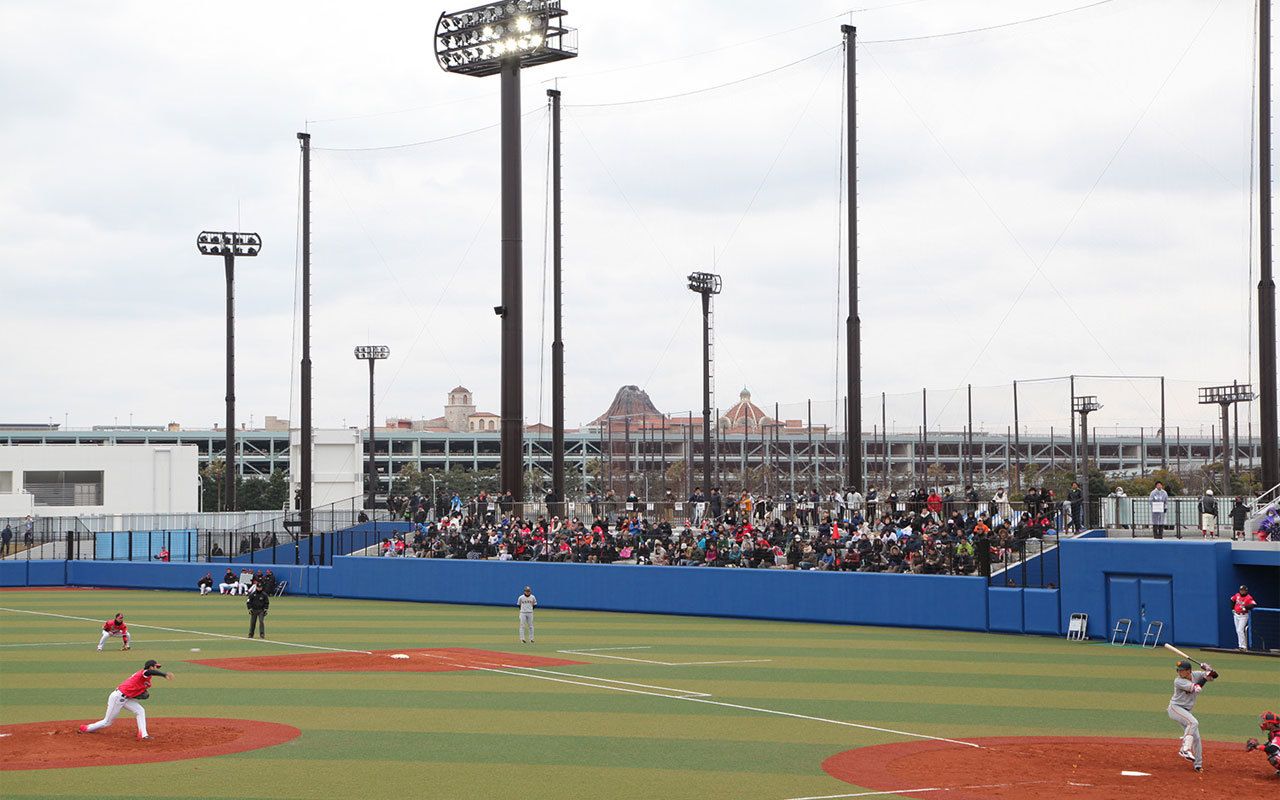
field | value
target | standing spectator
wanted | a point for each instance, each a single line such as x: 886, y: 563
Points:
x: 1239, y: 514
x: 6, y: 536
x: 28, y: 532
x: 1159, y: 500
x: 873, y: 503
x: 971, y: 499
x: 1075, y: 497
x: 163, y: 555
x: 1208, y: 515
x: 717, y: 504
x: 258, y: 602
x: 1001, y: 502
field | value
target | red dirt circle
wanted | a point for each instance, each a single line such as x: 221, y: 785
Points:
x: 1045, y: 768
x: 57, y: 745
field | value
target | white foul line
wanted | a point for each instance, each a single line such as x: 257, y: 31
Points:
x: 917, y: 791
x: 503, y: 668
x: 91, y: 644
x: 184, y: 630
x: 597, y: 654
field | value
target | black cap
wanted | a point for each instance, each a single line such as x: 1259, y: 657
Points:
x: 1181, y: 665
x: 151, y: 664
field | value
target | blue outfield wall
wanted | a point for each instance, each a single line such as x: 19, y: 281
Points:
x: 1201, y: 575
x: 925, y: 601
x: 1187, y: 584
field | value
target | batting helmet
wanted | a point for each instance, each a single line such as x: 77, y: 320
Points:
x: 1269, y: 721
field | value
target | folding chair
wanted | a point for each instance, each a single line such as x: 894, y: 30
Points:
x: 1078, y: 628
x: 1122, y: 630
x: 281, y: 587
x: 1154, y: 629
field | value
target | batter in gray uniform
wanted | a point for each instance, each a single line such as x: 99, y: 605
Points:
x: 1186, y: 687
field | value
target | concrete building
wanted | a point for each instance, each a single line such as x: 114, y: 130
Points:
x: 69, y: 480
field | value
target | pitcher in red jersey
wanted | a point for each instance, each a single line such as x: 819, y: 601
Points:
x: 127, y: 695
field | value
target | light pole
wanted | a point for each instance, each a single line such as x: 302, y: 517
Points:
x: 853, y: 323
x: 373, y: 353
x: 706, y: 284
x: 230, y: 244
x: 1084, y: 405
x: 500, y: 39
x: 1226, y: 396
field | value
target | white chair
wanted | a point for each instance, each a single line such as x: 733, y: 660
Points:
x: 1078, y: 628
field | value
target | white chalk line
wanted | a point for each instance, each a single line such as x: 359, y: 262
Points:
x: 133, y: 639
x: 597, y: 654
x: 184, y: 630
x: 918, y: 791
x: 489, y: 666
x: 689, y: 696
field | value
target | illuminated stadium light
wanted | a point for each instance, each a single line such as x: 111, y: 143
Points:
x: 222, y: 243
x: 366, y: 352
x: 477, y: 40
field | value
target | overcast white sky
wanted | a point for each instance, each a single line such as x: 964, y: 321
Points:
x: 1064, y: 196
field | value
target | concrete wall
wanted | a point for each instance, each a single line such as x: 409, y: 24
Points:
x: 337, y: 465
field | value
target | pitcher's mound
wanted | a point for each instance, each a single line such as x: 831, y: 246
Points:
x: 1043, y: 768
x: 55, y: 745
x: 439, y: 659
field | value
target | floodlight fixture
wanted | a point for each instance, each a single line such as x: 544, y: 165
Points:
x: 373, y: 353
x: 1224, y: 397
x: 705, y: 282
x: 228, y: 243
x: 477, y: 40
x: 1085, y: 404
x: 1234, y: 393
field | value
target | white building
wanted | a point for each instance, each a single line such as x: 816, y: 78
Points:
x: 337, y: 465
x: 70, y: 480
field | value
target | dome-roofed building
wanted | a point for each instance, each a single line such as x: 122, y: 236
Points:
x: 745, y: 415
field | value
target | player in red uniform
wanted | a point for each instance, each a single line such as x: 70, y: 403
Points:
x: 1269, y: 721
x: 114, y: 627
x: 127, y: 695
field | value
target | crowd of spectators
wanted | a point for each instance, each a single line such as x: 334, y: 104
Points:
x: 941, y: 533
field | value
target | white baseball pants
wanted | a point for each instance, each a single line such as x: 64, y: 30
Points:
x: 116, y: 702
x: 1190, y: 732
x: 107, y: 635
x: 526, y: 622
x: 1242, y: 630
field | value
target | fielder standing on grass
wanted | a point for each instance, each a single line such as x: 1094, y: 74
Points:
x: 527, y: 602
x: 114, y: 627
x: 126, y: 697
x: 1186, y: 688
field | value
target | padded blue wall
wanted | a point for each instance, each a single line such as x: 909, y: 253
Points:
x: 925, y: 601
x: 1200, y: 571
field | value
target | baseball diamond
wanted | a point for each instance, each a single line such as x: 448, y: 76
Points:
x: 604, y: 705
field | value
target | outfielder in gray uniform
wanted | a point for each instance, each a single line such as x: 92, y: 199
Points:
x: 1186, y: 687
x: 527, y: 602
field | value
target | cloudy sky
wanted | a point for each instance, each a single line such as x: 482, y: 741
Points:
x: 1064, y: 196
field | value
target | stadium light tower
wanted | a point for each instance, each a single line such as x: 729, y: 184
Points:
x: 1084, y: 405
x: 1226, y: 396
x: 372, y: 353
x: 230, y: 244
x: 501, y: 39
x: 706, y: 284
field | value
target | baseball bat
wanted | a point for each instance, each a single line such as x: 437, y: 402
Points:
x: 1179, y: 652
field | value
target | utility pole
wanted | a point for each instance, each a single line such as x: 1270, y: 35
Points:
x: 557, y: 338
x: 1266, y: 283
x: 853, y: 323
x: 305, y: 374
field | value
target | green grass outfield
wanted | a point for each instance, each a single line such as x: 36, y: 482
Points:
x: 489, y: 735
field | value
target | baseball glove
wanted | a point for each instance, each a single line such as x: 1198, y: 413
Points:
x: 145, y: 695
x: 1251, y: 745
